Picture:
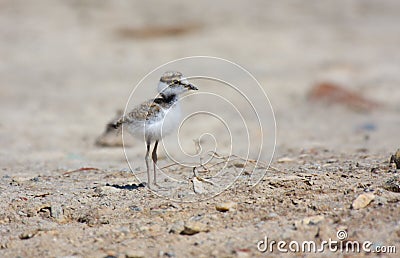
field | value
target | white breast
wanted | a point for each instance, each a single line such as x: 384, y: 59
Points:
x: 157, y: 128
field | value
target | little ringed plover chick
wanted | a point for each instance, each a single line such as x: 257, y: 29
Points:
x: 156, y: 118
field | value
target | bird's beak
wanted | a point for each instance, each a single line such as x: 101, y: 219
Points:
x: 191, y: 87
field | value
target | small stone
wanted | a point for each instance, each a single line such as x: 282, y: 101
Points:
x: 144, y: 228
x: 193, y: 227
x: 181, y: 195
x: 381, y: 200
x: 331, y: 161
x: 239, y: 165
x: 134, y: 254
x: 135, y: 208
x: 375, y: 170
x: 111, y: 254
x: 313, y: 220
x: 225, y: 206
x: 56, y: 212
x: 242, y: 253
x: 177, y: 227
x: 396, y: 159
x: 21, y: 213
x: 363, y: 200
x: 166, y: 254
x: 106, y: 190
x: 28, y: 234
x: 393, y: 184
x: 198, y: 186
x: 285, y: 160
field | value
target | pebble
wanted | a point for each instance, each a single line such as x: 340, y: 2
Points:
x: 393, y: 184
x: 396, y: 159
x: 242, y: 253
x: 363, y: 200
x: 313, y: 220
x: 285, y: 160
x: 134, y: 254
x: 166, y: 254
x: 22, y: 213
x: 391, y: 197
x: 198, y: 186
x: 193, y: 227
x: 135, y: 208
x: 226, y: 206
x: 332, y: 161
x: 28, y: 234
x: 239, y: 165
x: 106, y: 190
x: 181, y: 195
x: 381, y: 200
x: 144, y: 228
x: 56, y: 212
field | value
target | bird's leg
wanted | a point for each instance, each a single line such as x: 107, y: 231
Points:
x: 147, y: 164
x: 154, y: 157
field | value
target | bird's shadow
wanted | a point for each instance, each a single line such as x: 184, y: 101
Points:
x: 130, y: 187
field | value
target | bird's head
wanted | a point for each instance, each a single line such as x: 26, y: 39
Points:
x: 173, y: 83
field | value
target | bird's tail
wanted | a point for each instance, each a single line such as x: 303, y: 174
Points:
x: 117, y: 124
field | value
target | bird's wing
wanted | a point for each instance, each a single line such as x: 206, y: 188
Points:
x: 148, y: 110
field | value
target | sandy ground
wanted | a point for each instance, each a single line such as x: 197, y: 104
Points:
x: 66, y: 67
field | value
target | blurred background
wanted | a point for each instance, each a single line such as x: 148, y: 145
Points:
x: 330, y: 69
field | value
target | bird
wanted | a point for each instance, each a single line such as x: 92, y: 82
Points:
x: 155, y: 118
